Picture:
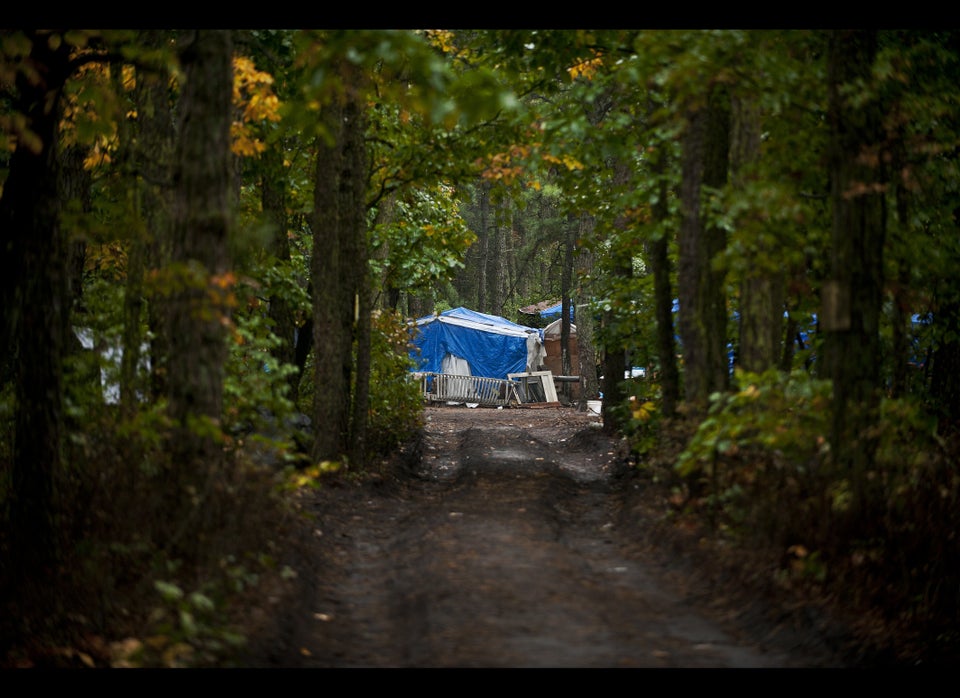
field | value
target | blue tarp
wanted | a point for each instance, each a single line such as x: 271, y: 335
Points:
x: 553, y: 312
x: 491, y: 345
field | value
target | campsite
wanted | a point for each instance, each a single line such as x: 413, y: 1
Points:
x: 350, y: 347
x: 463, y: 356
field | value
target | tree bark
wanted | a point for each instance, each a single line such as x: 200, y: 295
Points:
x: 566, y: 276
x: 34, y: 290
x: 763, y: 287
x: 703, y: 311
x: 281, y: 312
x: 330, y: 391
x: 852, y: 299
x: 900, y: 300
x: 614, y: 357
x: 586, y: 350
x: 198, y: 306
x: 156, y: 138
x: 356, y: 278
x: 945, y: 358
x: 483, y: 248
x: 945, y: 384
x: 339, y: 270
x: 659, y: 259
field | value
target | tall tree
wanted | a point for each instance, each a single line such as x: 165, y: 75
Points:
x: 330, y: 404
x: 147, y: 145
x: 339, y: 272
x: 198, y: 305
x: 566, y: 280
x: 356, y: 301
x: 852, y: 299
x: 34, y: 297
x: 154, y: 162
x: 586, y: 346
x: 762, y: 287
x: 282, y: 312
x: 703, y: 306
x: 615, y: 342
x: 658, y: 253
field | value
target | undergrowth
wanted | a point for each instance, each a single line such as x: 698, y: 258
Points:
x: 167, y: 564
x: 757, y: 472
x: 149, y: 575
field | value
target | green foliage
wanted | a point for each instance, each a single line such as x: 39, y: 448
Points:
x: 286, y: 280
x: 396, y: 405
x: 641, y: 420
x: 255, y: 390
x: 760, y: 463
x: 423, y: 243
x: 193, y: 628
x: 906, y: 546
x: 783, y: 414
x: 760, y: 447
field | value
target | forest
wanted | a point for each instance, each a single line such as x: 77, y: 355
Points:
x: 212, y: 241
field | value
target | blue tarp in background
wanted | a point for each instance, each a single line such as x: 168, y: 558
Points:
x: 492, y: 345
x: 553, y: 312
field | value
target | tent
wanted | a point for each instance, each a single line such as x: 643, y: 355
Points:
x: 465, y: 342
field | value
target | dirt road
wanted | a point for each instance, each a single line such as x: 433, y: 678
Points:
x: 501, y: 542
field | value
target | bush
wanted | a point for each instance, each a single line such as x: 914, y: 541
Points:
x: 760, y: 454
x: 759, y: 469
x: 396, y: 405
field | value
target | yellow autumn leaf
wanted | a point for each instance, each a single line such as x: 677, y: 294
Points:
x: 644, y: 412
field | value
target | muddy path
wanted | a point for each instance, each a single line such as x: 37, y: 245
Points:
x: 501, y: 543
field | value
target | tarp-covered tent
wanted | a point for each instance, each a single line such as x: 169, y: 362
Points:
x: 466, y: 342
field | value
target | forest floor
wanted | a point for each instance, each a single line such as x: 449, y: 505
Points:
x: 522, y: 538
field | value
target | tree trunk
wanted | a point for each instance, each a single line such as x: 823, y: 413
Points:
x: 390, y: 296
x: 900, y: 293
x: 586, y: 351
x: 763, y: 286
x: 156, y: 138
x: 341, y: 303
x: 614, y: 357
x: 34, y: 291
x: 945, y: 386
x: 74, y: 187
x: 482, y: 247
x: 659, y: 259
x: 852, y: 299
x: 703, y: 311
x: 330, y: 392
x: 569, y: 242
x: 198, y: 305
x: 945, y: 358
x: 495, y: 295
x: 273, y: 198
x: 355, y: 278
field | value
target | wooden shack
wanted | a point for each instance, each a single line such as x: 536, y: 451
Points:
x: 553, y: 361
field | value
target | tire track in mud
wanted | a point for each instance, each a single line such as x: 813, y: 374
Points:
x: 497, y: 547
